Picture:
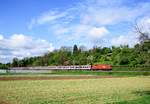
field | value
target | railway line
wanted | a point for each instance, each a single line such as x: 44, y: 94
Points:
x: 71, y: 67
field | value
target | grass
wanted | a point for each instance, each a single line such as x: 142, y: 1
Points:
x: 144, y: 99
x: 84, y: 72
x: 103, y: 73
x: 131, y: 68
x: 129, y: 90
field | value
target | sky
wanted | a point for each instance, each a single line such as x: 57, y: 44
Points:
x: 34, y: 27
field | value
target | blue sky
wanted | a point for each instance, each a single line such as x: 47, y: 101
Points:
x: 33, y: 27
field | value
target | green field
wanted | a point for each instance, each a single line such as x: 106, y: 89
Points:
x: 128, y: 90
x: 102, y: 73
x: 84, y: 72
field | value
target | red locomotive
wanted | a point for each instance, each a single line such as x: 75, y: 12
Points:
x: 101, y: 67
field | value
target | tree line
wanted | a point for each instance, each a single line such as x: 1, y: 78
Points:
x: 122, y: 55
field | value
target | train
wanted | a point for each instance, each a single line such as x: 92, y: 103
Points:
x: 103, y: 67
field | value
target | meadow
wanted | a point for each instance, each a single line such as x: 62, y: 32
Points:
x: 84, y: 72
x: 102, y: 73
x: 123, y: 90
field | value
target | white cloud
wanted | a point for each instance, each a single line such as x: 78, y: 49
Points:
x: 50, y: 16
x: 47, y: 17
x: 79, y: 31
x: 1, y: 37
x: 100, y: 12
x: 19, y: 45
x: 98, y: 32
x: 58, y: 29
x: 130, y: 39
x: 96, y: 12
x: 90, y: 20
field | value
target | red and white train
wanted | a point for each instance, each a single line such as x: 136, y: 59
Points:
x: 71, y: 67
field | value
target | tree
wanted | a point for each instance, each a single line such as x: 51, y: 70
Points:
x: 82, y: 48
x: 75, y: 49
x: 144, y: 47
x: 124, y: 61
x: 90, y: 59
x: 144, y: 34
x: 15, y: 62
